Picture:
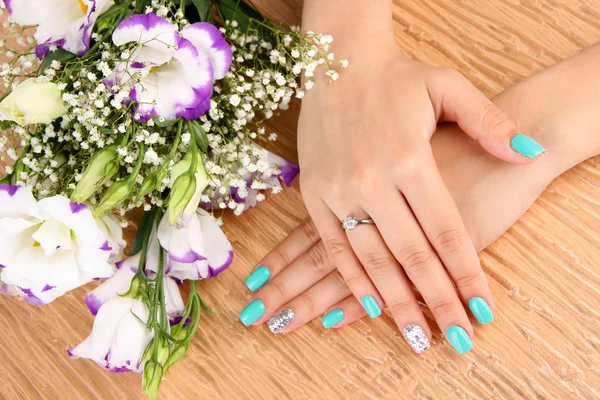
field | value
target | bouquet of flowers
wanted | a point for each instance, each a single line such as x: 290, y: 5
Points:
x: 112, y: 105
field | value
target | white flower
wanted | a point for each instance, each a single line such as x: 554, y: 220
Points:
x: 33, y: 103
x: 200, y: 250
x: 48, y: 247
x: 63, y: 23
x: 111, y: 228
x: 119, y: 337
x: 173, y: 70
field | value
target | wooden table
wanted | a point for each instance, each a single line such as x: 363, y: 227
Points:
x: 544, y: 272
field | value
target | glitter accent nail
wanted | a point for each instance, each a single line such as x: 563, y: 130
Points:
x: 416, y: 338
x: 281, y: 320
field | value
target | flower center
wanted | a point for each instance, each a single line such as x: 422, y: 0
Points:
x: 83, y: 6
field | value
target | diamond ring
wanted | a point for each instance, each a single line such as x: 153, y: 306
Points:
x: 350, y: 222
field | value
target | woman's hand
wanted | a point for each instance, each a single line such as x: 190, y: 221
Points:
x: 558, y: 106
x: 364, y: 150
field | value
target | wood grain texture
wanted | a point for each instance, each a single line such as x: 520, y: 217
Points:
x: 544, y: 272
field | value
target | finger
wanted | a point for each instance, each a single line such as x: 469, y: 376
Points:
x: 336, y: 242
x: 310, y: 304
x: 456, y: 99
x: 298, y: 242
x: 389, y: 279
x: 410, y: 247
x: 305, y: 272
x: 438, y: 216
x: 343, y: 313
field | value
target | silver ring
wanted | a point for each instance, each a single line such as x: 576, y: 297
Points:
x: 350, y: 222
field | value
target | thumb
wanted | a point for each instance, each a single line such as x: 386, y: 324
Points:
x: 457, y: 100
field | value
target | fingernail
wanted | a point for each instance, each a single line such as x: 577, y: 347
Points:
x: 416, y: 338
x: 371, y: 306
x: 252, y: 312
x: 281, y: 320
x: 332, y: 318
x: 258, y: 278
x: 481, y: 310
x: 459, y: 339
x: 526, y: 146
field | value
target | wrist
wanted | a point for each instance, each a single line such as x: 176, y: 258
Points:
x: 359, y: 27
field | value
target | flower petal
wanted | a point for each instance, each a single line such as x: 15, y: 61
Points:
x: 117, y: 285
x: 208, y: 40
x: 147, y: 29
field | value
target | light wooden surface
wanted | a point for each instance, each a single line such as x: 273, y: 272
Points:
x: 544, y: 272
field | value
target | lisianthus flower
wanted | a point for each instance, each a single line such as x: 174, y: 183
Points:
x: 33, y: 103
x: 169, y: 75
x: 120, y: 336
x: 196, y: 251
x: 48, y: 247
x: 62, y: 23
x: 111, y: 228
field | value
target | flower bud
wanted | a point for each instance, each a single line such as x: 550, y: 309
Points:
x: 199, y: 135
x: 151, y: 378
x: 178, y: 353
x: 163, y: 350
x: 186, y: 189
x: 152, y: 182
x: 33, y: 103
x: 100, y: 169
x: 116, y: 194
x: 181, y: 194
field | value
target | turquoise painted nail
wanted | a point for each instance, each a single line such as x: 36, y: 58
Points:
x: 252, y: 312
x: 371, y: 306
x: 459, y: 339
x: 258, y: 278
x: 332, y: 318
x: 481, y: 310
x: 526, y: 146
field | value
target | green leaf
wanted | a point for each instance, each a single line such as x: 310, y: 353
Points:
x: 6, y: 179
x: 240, y: 11
x: 165, y: 123
x: 204, y: 7
x: 4, y: 125
x: 143, y: 230
x: 60, y: 55
x: 205, y: 307
x: 199, y: 135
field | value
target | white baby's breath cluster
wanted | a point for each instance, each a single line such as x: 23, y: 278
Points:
x: 264, y: 78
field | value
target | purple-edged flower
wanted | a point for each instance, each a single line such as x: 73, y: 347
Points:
x: 198, y: 251
x: 281, y: 170
x: 62, y: 23
x: 48, y: 247
x: 112, y: 230
x: 119, y: 337
x: 170, y: 74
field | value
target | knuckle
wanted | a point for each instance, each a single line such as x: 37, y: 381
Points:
x: 336, y: 247
x: 282, y: 255
x: 340, y: 281
x: 279, y: 288
x: 469, y: 278
x: 442, y: 306
x: 317, y: 257
x: 410, y: 168
x: 449, y: 241
x: 354, y: 280
x: 310, y: 230
x: 378, y: 264
x: 416, y: 259
x: 494, y: 118
x: 309, y: 303
x: 402, y: 308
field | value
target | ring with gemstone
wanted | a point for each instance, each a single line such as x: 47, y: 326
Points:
x: 350, y: 222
